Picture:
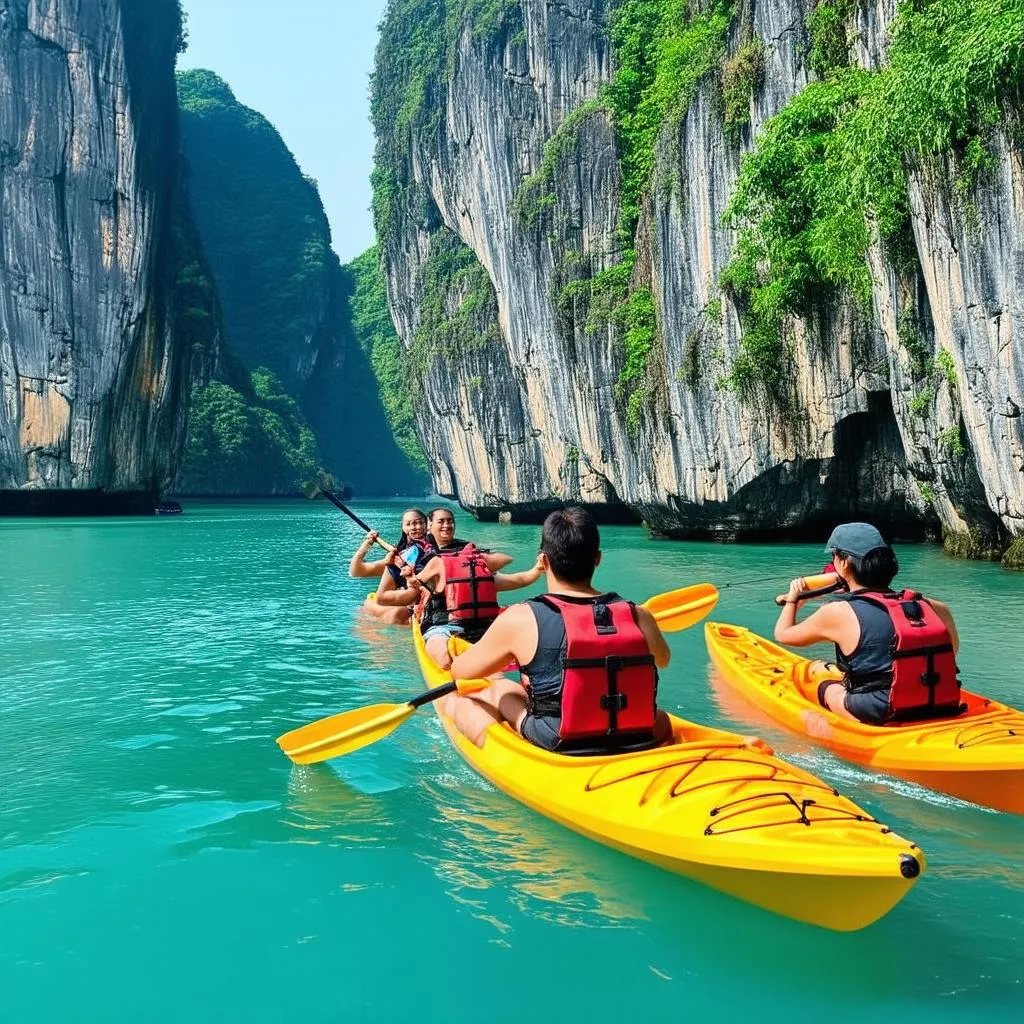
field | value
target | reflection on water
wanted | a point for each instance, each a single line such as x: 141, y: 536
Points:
x: 484, y: 840
x: 322, y: 808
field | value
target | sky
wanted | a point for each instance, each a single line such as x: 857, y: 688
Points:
x: 305, y: 66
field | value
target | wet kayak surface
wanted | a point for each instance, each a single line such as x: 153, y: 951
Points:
x: 161, y: 860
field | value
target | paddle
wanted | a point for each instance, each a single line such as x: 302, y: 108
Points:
x: 820, y: 590
x: 682, y: 608
x: 351, y: 730
x: 323, y: 487
x: 344, y: 733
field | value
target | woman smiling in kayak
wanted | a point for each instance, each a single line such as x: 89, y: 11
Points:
x: 411, y: 547
x: 414, y: 531
x: 896, y: 651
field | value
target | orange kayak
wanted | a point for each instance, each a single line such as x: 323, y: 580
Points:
x: 976, y: 756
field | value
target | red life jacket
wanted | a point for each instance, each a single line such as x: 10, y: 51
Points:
x: 609, y: 682
x: 924, y: 670
x: 469, y: 590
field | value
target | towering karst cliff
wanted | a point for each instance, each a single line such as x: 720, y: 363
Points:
x: 734, y: 267
x: 93, y: 369
x: 295, y: 389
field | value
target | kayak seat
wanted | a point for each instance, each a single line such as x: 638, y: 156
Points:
x: 927, y: 715
x: 588, y: 748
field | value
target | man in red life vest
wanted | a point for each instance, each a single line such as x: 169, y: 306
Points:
x: 897, y: 651
x: 589, y: 659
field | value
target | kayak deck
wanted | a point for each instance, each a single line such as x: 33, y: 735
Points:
x: 976, y: 756
x: 714, y: 808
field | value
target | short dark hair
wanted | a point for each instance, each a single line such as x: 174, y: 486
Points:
x: 876, y: 569
x: 440, y: 508
x: 571, y: 542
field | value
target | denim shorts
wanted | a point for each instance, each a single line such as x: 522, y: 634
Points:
x: 447, y: 629
x: 869, y: 708
x: 541, y: 731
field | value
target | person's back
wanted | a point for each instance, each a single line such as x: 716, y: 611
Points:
x: 574, y: 700
x: 588, y: 659
x: 896, y: 650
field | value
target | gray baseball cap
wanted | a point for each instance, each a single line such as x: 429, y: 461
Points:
x: 855, y: 539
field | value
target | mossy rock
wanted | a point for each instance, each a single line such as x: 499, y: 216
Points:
x: 974, y: 544
x: 1013, y: 556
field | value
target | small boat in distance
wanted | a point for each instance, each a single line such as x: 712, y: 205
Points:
x: 168, y: 508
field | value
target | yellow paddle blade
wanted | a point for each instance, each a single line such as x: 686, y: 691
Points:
x: 680, y: 609
x: 341, y: 734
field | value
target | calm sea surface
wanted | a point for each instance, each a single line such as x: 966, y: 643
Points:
x: 160, y: 859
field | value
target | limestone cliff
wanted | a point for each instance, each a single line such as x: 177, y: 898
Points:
x: 92, y: 369
x: 598, y: 303
x: 295, y: 391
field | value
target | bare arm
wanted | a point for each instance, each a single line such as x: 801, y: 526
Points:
x: 824, y: 625
x: 431, y: 576
x: 387, y: 584
x: 495, y: 560
x: 516, y: 580
x: 497, y: 647
x: 398, y: 598
x: 943, y: 612
x: 654, y: 637
x: 360, y: 569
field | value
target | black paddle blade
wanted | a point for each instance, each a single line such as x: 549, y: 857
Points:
x: 311, y: 490
x: 326, y: 482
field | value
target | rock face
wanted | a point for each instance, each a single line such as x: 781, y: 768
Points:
x: 534, y: 414
x: 295, y: 377
x: 92, y: 372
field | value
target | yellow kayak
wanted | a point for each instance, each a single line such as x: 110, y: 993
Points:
x: 977, y: 756
x: 715, y: 809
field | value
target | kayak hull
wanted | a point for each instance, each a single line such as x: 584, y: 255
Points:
x: 715, y: 809
x: 977, y: 756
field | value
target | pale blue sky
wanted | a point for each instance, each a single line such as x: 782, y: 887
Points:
x: 305, y: 65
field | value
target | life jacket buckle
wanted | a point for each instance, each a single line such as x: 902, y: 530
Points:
x: 613, y: 702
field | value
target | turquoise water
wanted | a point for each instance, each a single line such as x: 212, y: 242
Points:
x: 160, y: 860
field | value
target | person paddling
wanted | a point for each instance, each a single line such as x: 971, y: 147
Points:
x: 897, y: 651
x: 410, y: 548
x: 589, y: 659
x: 414, y: 532
x: 441, y: 538
x: 462, y: 582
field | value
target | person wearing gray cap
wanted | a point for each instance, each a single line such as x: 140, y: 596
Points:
x: 896, y: 651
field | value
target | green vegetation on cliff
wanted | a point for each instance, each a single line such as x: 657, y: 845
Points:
x: 830, y: 169
x: 264, y: 229
x: 415, y: 61
x: 371, y: 323
x: 283, y: 296
x: 662, y: 51
x: 230, y: 430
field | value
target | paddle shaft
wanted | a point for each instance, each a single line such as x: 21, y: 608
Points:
x: 339, y: 504
x: 807, y: 595
x: 435, y: 694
